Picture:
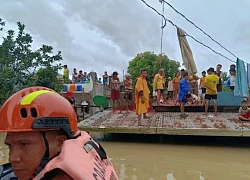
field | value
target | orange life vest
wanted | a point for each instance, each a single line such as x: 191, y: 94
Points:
x: 82, y: 159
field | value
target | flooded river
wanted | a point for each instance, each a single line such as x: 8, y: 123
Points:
x: 135, y: 161
x: 154, y: 161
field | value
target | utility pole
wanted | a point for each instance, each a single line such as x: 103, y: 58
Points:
x: 162, y: 23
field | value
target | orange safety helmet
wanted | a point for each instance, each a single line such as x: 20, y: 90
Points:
x: 38, y: 109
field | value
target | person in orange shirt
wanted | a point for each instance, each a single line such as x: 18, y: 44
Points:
x: 176, y: 83
x: 141, y: 96
x: 202, y: 86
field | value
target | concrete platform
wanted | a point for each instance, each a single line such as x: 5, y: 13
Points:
x: 225, y: 124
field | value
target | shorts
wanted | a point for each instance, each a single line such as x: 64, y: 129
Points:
x: 203, y: 90
x: 182, y: 99
x: 170, y: 94
x: 232, y: 87
x: 246, y: 115
x: 219, y: 87
x: 128, y: 95
x: 105, y: 83
x: 161, y: 90
x: 211, y: 96
x: 115, y: 95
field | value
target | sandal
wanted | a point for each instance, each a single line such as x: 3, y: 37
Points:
x: 184, y: 115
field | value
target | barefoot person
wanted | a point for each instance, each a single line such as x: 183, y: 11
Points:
x: 176, y: 83
x: 211, y: 82
x: 219, y: 73
x: 142, y: 96
x: 115, y: 89
x: 203, y: 87
x: 159, y: 83
x: 128, y: 89
x: 184, y: 93
x: 170, y: 89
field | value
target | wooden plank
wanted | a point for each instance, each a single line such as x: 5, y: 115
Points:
x: 200, y: 132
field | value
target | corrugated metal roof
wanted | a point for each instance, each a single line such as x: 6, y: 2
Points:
x: 165, y: 122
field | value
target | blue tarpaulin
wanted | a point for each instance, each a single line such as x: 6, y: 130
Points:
x: 227, y: 99
x: 248, y: 74
x: 241, y: 84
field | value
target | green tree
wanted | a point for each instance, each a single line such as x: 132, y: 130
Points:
x: 19, y: 63
x: 225, y: 76
x: 2, y: 23
x: 152, y: 62
x: 47, y: 77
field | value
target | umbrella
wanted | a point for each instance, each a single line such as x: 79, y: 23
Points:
x: 187, y: 56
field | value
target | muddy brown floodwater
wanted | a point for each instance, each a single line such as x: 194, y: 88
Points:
x: 143, y: 161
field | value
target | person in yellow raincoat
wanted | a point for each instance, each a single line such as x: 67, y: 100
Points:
x: 142, y: 96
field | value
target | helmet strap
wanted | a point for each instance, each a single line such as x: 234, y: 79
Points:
x: 45, y: 158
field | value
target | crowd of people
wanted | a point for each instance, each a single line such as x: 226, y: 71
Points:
x: 182, y: 89
x: 81, y: 77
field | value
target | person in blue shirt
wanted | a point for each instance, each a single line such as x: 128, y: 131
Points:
x: 105, y: 79
x: 184, y: 93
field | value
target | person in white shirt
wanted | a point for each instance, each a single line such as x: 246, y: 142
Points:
x: 170, y: 88
x: 74, y: 76
x: 194, y: 99
x: 232, y: 79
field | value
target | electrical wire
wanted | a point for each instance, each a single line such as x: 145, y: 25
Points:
x: 199, y: 28
x: 186, y: 34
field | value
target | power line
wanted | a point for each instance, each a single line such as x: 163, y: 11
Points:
x: 165, y: 19
x: 186, y: 34
x: 210, y: 48
x: 199, y: 28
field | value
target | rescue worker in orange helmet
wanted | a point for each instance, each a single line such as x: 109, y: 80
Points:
x: 44, y: 141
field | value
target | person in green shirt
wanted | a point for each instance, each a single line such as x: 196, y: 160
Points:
x: 66, y: 74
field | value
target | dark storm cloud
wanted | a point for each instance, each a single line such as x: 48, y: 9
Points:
x: 105, y: 35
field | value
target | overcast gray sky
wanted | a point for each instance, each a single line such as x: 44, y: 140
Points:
x: 105, y: 35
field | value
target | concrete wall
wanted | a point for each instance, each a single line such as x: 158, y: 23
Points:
x: 97, y: 90
x: 228, y: 99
